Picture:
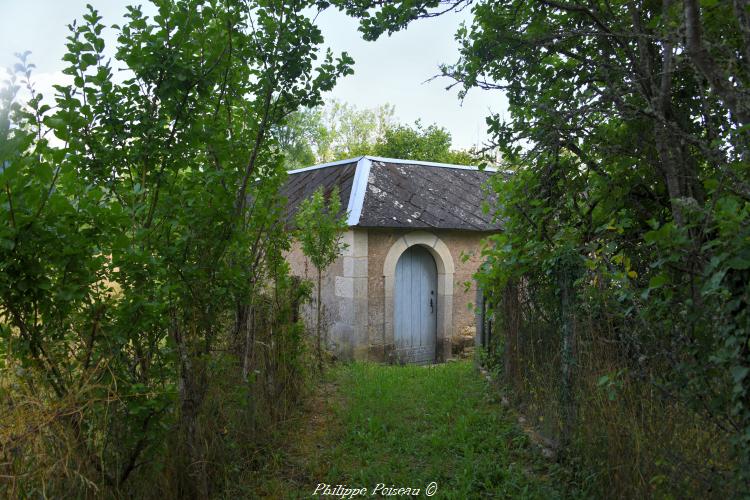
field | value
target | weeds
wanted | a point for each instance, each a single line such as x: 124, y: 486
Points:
x: 408, y: 426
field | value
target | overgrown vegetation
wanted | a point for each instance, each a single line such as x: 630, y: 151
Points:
x: 621, y: 281
x: 149, y: 334
x: 410, y: 426
x: 320, y: 227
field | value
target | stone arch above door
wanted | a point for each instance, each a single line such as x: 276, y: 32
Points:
x: 445, y: 270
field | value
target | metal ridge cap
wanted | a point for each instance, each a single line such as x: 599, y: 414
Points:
x: 324, y: 165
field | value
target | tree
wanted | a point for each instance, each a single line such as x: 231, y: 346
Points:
x: 339, y: 131
x: 432, y: 143
x: 332, y: 132
x: 299, y: 135
x: 351, y: 131
x: 128, y: 250
x: 320, y: 225
x: 628, y: 134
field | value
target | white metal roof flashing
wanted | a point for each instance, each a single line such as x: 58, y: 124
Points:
x: 389, y: 160
x: 324, y: 165
x: 362, y: 176
x: 359, y: 188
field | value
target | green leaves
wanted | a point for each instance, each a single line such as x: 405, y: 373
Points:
x: 739, y: 373
x: 128, y: 247
x: 320, y: 224
x: 339, y: 131
x: 611, y: 383
x: 430, y: 143
x: 658, y: 281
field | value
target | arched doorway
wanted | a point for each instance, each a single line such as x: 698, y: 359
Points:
x: 443, y: 303
x: 415, y: 306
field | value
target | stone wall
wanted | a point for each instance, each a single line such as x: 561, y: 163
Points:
x: 354, y: 298
x: 343, y: 295
x: 459, y: 243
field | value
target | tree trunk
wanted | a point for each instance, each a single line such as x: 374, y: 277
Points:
x: 733, y: 95
x: 319, y: 351
x: 567, y: 351
x: 190, y: 400
x: 191, y: 391
x: 249, y: 339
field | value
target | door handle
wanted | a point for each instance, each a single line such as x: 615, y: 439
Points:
x: 431, y: 308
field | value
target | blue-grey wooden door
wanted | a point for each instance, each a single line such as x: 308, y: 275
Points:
x: 415, y: 306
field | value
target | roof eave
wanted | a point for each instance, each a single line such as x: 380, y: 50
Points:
x: 391, y: 160
x: 361, y: 180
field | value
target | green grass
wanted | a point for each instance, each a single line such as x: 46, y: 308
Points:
x: 407, y: 427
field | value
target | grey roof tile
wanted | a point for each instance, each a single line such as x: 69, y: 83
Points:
x: 302, y: 185
x: 405, y: 195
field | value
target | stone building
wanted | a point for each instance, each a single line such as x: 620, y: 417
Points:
x: 402, y: 288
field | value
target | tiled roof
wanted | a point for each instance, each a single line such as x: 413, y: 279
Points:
x: 302, y: 184
x: 387, y: 192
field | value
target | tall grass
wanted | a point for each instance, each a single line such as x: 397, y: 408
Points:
x: 632, y: 438
x: 409, y: 426
x: 52, y: 448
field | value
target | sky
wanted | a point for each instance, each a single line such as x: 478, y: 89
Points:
x: 391, y: 70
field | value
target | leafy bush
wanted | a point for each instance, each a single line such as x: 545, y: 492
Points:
x: 141, y: 250
x: 625, y: 247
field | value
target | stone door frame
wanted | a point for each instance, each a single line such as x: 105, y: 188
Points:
x: 445, y: 271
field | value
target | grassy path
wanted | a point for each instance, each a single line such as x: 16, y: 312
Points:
x: 407, y: 427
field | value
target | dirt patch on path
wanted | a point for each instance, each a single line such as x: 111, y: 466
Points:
x: 373, y: 426
x: 298, y: 462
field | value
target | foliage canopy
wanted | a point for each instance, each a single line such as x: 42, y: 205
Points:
x: 628, y: 138
x: 136, y: 246
x: 339, y: 131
